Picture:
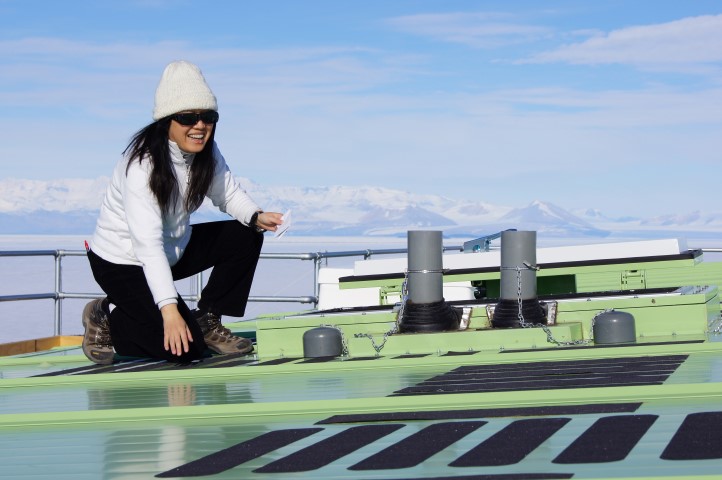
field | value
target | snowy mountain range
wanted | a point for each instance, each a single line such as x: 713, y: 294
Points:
x: 69, y: 206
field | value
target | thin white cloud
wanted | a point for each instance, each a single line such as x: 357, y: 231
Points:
x: 53, y: 50
x: 56, y: 72
x: 691, y: 40
x: 474, y: 29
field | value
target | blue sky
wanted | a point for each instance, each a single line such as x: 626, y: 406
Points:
x: 614, y: 105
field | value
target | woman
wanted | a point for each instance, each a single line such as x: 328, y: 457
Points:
x: 143, y: 240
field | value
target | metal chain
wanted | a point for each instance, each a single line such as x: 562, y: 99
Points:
x: 380, y: 346
x: 594, y: 319
x: 519, y: 300
x: 524, y: 324
x: 715, y: 326
x: 522, y: 321
x: 404, y: 297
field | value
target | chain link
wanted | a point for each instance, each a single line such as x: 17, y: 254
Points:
x: 524, y: 324
x: 519, y: 300
x: 715, y: 326
x: 594, y: 319
x: 404, y: 297
x: 380, y: 346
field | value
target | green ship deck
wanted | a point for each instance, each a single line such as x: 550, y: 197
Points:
x: 480, y: 403
x: 647, y: 410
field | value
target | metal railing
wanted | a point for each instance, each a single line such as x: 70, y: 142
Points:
x: 59, y: 294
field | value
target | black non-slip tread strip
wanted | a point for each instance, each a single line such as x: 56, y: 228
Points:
x: 552, y: 410
x: 221, y: 360
x: 88, y: 369
x: 569, y: 371
x: 520, y: 377
x: 552, y: 367
x: 418, y: 447
x: 208, y: 362
x: 148, y: 365
x: 562, y: 364
x: 145, y: 364
x: 215, y: 361
x: 230, y: 457
x: 699, y: 437
x: 620, y: 381
x: 278, y: 361
x: 330, y: 449
x: 609, y: 439
x: 545, y: 365
x: 502, y: 476
x: 559, y: 370
x: 75, y: 371
x: 533, y: 384
x: 511, y: 444
x: 549, y: 374
x: 532, y: 373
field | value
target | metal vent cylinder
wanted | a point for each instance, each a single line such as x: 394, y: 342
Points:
x: 614, y: 327
x: 322, y: 342
x: 425, y: 309
x: 518, y: 297
x: 425, y: 262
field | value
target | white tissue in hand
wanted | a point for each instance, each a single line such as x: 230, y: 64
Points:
x: 283, y: 228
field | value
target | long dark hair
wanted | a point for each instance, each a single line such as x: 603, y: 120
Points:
x: 151, y: 143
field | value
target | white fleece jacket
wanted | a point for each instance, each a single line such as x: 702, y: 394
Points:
x: 132, y: 231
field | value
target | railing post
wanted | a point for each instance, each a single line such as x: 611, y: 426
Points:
x: 58, y: 291
x: 194, y: 291
x: 316, y: 272
x: 199, y: 286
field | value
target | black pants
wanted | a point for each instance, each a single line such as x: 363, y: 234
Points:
x: 136, y: 324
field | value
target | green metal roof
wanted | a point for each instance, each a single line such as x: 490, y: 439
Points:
x: 475, y: 404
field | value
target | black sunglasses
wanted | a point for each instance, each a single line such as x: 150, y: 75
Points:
x: 189, y: 119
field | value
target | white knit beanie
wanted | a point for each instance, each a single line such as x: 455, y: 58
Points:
x: 182, y: 87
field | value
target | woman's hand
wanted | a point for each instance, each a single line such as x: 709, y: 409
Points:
x: 176, y: 334
x: 269, y: 221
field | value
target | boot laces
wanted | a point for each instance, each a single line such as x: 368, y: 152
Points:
x: 215, y: 326
x: 102, y: 332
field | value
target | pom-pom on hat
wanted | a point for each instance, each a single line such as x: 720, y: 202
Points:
x: 182, y: 87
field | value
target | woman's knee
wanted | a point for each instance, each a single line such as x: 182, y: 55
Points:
x: 243, y: 236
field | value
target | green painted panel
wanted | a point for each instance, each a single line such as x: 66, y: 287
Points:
x: 590, y: 278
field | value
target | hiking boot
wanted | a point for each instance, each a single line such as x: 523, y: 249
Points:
x: 219, y: 339
x: 97, y: 344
